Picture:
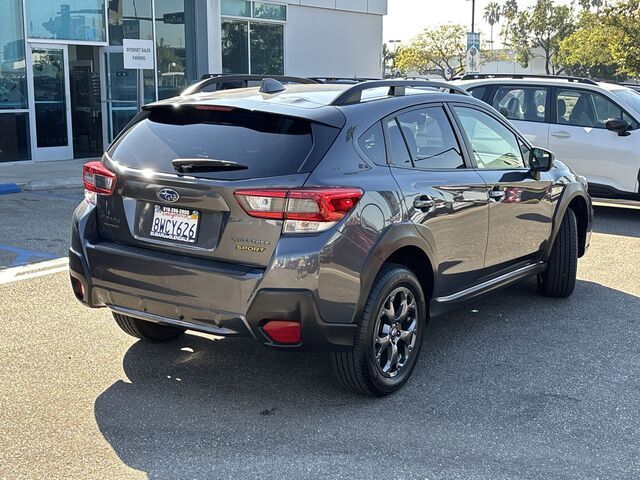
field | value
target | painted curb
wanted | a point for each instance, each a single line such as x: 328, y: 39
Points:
x: 6, y: 188
x: 53, y: 184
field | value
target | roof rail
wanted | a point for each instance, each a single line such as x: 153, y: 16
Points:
x: 342, y: 80
x: 396, y: 89
x: 213, y: 78
x: 518, y: 76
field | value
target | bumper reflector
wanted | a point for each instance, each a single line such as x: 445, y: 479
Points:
x: 283, y: 332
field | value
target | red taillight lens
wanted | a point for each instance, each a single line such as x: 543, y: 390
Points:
x: 98, y: 179
x: 282, y: 331
x: 305, y: 210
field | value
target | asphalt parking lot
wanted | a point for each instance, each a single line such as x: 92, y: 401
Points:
x: 514, y: 387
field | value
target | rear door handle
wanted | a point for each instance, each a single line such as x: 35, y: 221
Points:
x: 423, y: 202
x: 561, y: 134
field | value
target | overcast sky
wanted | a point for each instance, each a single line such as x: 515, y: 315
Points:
x: 407, y: 18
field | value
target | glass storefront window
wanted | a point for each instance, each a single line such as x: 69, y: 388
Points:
x: 270, y: 11
x: 267, y: 49
x: 129, y: 19
x: 13, y: 79
x: 236, y: 8
x: 235, y: 47
x: 14, y: 141
x: 81, y: 20
x: 176, y: 46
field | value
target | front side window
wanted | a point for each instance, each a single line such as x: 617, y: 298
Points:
x: 66, y: 20
x: 494, y: 145
x: 430, y: 139
x: 522, y: 103
x: 580, y: 108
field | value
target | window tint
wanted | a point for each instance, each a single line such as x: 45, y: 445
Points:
x: 521, y: 103
x: 585, y: 109
x: 430, y: 139
x: 268, y: 145
x: 372, y: 144
x: 478, y: 92
x: 494, y: 145
x: 399, y: 153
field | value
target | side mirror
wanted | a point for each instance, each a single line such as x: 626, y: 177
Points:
x: 540, y: 160
x: 621, y: 127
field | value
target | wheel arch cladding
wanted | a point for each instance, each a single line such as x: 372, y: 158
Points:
x: 416, y: 260
x: 579, y: 207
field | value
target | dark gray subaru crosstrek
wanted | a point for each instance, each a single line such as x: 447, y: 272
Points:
x: 322, y: 217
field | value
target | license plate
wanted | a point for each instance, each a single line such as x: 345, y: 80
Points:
x: 177, y: 224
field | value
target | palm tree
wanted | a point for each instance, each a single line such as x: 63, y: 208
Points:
x: 492, y: 16
x: 510, y: 12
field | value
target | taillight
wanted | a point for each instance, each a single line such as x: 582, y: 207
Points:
x: 98, y: 180
x: 306, y: 210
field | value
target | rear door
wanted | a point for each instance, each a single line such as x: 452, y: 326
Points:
x: 578, y: 137
x: 195, y: 212
x: 527, y: 107
x: 520, y: 207
x: 445, y: 199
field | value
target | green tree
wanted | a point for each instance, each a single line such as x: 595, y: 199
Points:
x: 588, y: 51
x: 542, y: 27
x: 442, y: 48
x: 492, y: 16
x: 623, y: 17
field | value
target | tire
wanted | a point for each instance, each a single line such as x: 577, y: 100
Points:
x: 149, y: 331
x: 559, y: 279
x: 362, y: 369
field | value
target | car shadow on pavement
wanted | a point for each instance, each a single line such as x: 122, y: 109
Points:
x: 509, y: 370
x: 617, y: 221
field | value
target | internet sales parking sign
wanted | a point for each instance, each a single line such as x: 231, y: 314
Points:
x: 138, y: 54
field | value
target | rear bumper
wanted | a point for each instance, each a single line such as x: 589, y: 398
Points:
x: 204, y: 296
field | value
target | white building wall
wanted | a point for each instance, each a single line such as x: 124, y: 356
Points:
x: 334, y: 43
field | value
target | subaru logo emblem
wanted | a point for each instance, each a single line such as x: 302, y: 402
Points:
x: 168, y: 195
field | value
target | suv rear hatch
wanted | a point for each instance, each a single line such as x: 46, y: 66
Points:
x: 177, y: 168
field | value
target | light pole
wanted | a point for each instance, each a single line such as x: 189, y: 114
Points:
x: 473, y: 15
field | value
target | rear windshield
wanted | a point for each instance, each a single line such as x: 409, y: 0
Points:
x: 268, y: 145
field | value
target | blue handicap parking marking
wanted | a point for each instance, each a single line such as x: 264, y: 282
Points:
x: 24, y: 256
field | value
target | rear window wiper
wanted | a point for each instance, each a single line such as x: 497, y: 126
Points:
x: 188, y: 165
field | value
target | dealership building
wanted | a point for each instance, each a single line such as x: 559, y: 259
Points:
x: 65, y: 91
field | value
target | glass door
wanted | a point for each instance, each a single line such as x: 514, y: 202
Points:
x: 50, y: 102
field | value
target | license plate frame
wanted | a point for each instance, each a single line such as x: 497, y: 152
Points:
x: 175, y: 224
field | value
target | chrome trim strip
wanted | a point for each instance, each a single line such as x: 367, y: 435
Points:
x: 199, y: 327
x: 511, y: 276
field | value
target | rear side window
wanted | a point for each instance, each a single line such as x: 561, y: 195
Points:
x: 522, y: 103
x: 478, y: 92
x: 268, y: 145
x: 430, y: 139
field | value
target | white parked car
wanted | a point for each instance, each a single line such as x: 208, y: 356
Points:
x: 593, y: 127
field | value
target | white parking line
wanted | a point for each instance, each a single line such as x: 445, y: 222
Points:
x: 34, y: 270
